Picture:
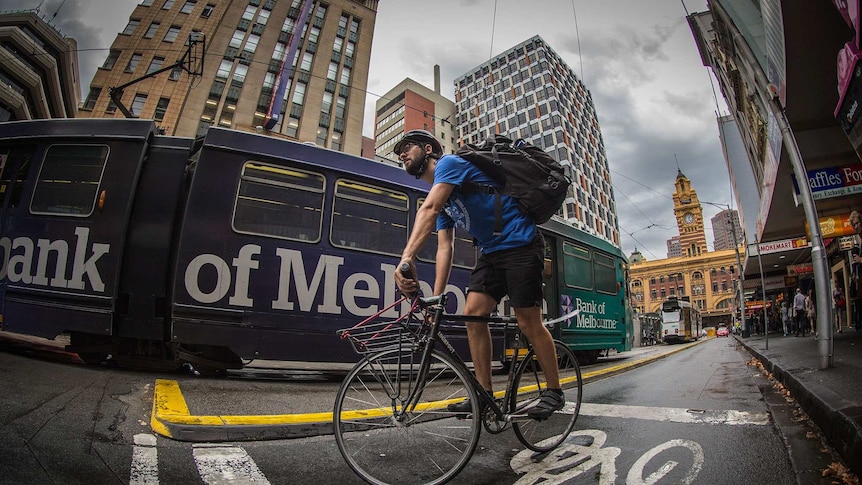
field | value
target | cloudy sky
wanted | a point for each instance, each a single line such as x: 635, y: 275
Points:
x: 653, y: 96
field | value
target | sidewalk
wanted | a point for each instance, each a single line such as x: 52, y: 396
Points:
x: 831, y: 397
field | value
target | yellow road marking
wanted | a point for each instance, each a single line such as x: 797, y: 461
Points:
x: 169, y: 405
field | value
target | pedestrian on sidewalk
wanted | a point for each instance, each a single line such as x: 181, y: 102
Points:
x: 811, y: 311
x: 785, y: 317
x: 838, y: 303
x: 799, y: 312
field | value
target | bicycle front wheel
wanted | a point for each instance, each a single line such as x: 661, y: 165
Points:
x: 545, y: 435
x: 387, y: 440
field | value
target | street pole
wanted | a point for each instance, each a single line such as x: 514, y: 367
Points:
x: 763, y: 292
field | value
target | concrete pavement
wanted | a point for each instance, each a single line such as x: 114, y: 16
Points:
x: 831, y: 397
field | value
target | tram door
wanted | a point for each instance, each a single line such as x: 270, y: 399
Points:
x: 550, y: 280
x: 67, y: 188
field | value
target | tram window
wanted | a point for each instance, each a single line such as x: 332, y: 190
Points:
x: 606, y: 280
x: 465, y: 251
x: 15, y: 163
x: 577, y: 266
x: 284, y: 203
x: 369, y: 218
x: 69, y: 180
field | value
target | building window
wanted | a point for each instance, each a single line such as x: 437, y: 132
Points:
x: 111, y: 59
x: 161, y: 108
x: 138, y: 104
x: 172, y: 34
x: 263, y: 16
x: 322, y: 134
x: 188, y: 6
x: 345, y: 76
x: 133, y: 62
x: 168, y: 4
x: 208, y: 10
x: 239, y: 73
x: 112, y: 107
x: 332, y: 72
x: 152, y: 30
x: 175, y: 74
x: 146, y: 3
x: 291, y: 127
x: 237, y: 38
x: 131, y: 26
x: 224, y: 69
x: 155, y: 64
x: 306, y: 61
x: 251, y: 43
x: 249, y: 13
x: 92, y: 97
x: 299, y: 93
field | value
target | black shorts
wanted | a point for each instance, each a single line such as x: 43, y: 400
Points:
x: 516, y: 272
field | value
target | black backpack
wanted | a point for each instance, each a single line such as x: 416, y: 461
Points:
x: 524, y: 171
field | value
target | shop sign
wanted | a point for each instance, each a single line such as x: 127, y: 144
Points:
x: 833, y: 226
x: 781, y: 246
x: 830, y: 182
x: 846, y: 243
x: 800, y: 269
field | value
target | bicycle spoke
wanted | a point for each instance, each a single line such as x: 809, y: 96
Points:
x: 545, y: 435
x: 383, y: 442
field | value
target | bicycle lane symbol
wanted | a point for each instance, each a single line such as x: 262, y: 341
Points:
x: 571, y: 460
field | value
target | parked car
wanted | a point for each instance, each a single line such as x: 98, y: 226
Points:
x: 722, y: 331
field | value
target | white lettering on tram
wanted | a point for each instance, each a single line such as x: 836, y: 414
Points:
x: 18, y: 255
x: 358, y: 293
x: 592, y: 314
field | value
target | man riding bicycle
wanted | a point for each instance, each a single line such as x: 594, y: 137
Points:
x: 511, y: 261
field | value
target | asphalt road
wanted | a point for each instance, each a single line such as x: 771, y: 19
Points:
x: 697, y: 415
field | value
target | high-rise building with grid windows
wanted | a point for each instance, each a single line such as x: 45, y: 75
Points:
x: 246, y: 44
x: 529, y: 92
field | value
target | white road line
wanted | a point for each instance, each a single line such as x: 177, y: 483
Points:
x: 675, y: 415
x: 145, y: 461
x: 223, y: 465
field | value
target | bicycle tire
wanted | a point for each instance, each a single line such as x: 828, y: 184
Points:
x: 428, y: 445
x: 529, y: 381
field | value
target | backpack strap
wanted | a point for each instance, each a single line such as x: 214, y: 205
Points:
x: 474, y: 188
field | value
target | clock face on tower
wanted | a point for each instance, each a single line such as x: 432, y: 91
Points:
x: 688, y: 218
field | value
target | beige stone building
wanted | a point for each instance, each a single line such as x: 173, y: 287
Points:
x: 708, y: 279
x: 246, y: 44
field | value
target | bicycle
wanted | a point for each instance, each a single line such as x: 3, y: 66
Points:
x: 391, y: 420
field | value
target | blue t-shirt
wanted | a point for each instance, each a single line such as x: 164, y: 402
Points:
x: 475, y: 211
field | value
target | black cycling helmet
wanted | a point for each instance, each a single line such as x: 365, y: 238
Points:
x: 421, y: 137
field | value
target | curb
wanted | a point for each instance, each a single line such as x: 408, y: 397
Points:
x: 171, y: 418
x: 836, y: 417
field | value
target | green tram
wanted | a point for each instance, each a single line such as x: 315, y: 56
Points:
x: 586, y: 273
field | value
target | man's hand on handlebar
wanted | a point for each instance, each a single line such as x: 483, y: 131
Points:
x: 405, y: 278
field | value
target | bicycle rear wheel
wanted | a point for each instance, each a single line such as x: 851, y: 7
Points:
x: 385, y: 443
x: 529, y: 381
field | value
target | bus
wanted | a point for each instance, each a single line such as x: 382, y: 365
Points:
x: 234, y: 246
x: 680, y: 321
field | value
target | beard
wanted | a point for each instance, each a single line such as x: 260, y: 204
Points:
x: 416, y: 168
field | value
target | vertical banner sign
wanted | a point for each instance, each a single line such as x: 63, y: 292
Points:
x: 273, y: 115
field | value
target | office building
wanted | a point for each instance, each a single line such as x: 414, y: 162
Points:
x: 39, y: 72
x: 246, y: 44
x: 673, y: 248
x: 529, y: 92
x: 410, y: 106
x: 726, y: 230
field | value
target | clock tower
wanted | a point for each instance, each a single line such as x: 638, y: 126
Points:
x: 689, y: 217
